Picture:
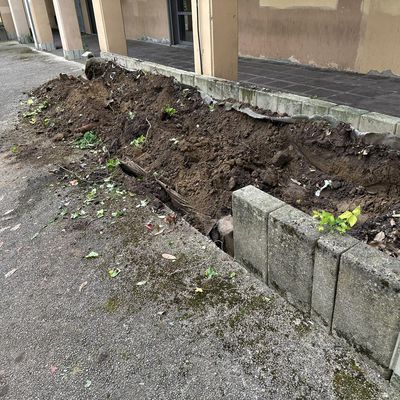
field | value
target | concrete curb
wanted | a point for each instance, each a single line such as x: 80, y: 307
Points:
x: 281, y: 102
x: 352, y: 288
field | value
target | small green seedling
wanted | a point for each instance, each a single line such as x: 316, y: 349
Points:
x: 14, y: 149
x: 131, y: 115
x: 210, y: 273
x: 87, y: 141
x: 139, y: 141
x: 169, y: 111
x: 343, y: 223
x: 112, y: 163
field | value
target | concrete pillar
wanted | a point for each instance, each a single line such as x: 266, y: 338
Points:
x: 41, y: 22
x: 7, y: 20
x: 110, y: 26
x: 215, y: 37
x: 69, y: 28
x: 20, y: 21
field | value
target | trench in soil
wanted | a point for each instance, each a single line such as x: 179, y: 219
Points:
x: 204, y: 152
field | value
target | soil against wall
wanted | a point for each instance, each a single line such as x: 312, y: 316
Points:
x: 206, y: 152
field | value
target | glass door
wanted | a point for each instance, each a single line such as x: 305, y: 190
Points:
x: 185, y: 28
x: 181, y: 22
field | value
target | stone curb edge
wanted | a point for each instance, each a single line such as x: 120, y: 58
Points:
x: 282, y: 102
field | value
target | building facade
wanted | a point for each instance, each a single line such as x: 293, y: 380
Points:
x: 352, y: 35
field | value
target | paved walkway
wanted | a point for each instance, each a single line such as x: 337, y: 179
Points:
x: 369, y: 92
x: 69, y: 331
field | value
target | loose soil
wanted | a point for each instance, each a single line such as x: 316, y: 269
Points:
x: 206, y: 152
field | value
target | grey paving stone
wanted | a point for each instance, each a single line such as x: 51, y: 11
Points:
x: 292, y: 237
x: 368, y: 302
x: 328, y: 251
x: 251, y: 208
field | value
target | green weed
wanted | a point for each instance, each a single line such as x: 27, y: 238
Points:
x: 343, y: 223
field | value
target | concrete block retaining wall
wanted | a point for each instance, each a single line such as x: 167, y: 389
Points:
x: 353, y: 289
x: 291, y: 104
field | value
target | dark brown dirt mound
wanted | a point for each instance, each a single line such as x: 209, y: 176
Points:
x: 205, y: 153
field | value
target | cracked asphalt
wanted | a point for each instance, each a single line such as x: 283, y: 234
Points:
x: 160, y: 329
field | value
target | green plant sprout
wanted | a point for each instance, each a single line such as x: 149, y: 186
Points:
x: 210, y: 273
x: 88, y: 140
x: 138, y: 142
x: 170, y: 111
x: 112, y: 163
x: 343, y: 223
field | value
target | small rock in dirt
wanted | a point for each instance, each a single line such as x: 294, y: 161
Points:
x: 269, y: 177
x: 232, y: 183
x: 281, y: 158
x: 58, y: 137
x: 222, y: 233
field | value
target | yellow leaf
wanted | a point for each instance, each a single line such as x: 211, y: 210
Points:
x: 198, y: 290
x: 346, y: 215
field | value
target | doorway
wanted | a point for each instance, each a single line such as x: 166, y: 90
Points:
x: 181, y: 22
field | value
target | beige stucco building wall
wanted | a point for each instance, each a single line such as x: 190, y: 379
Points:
x: 358, y: 35
x: 146, y: 19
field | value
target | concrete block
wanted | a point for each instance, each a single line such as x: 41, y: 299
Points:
x: 218, y: 89
x: 188, y: 78
x: 378, y: 123
x: 251, y: 208
x: 368, y: 302
x: 229, y: 90
x: 290, y: 104
x: 347, y: 114
x: 248, y: 96
x: 133, y: 64
x: 328, y: 251
x: 267, y: 100
x: 316, y: 107
x: 202, y: 83
x: 395, y: 365
x: 292, y: 238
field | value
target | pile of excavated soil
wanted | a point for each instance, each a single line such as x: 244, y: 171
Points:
x: 205, y: 153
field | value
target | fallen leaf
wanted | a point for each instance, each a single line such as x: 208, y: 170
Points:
x: 199, y: 290
x: 9, y: 273
x: 159, y: 232
x: 392, y: 222
x: 100, y: 213
x: 74, y: 182
x: 88, y: 383
x: 53, y: 369
x: 149, y: 226
x: 92, y: 254
x: 114, y: 272
x: 1, y: 244
x: 169, y: 257
x: 15, y: 228
x: 8, y: 212
x: 82, y: 286
x: 141, y: 283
